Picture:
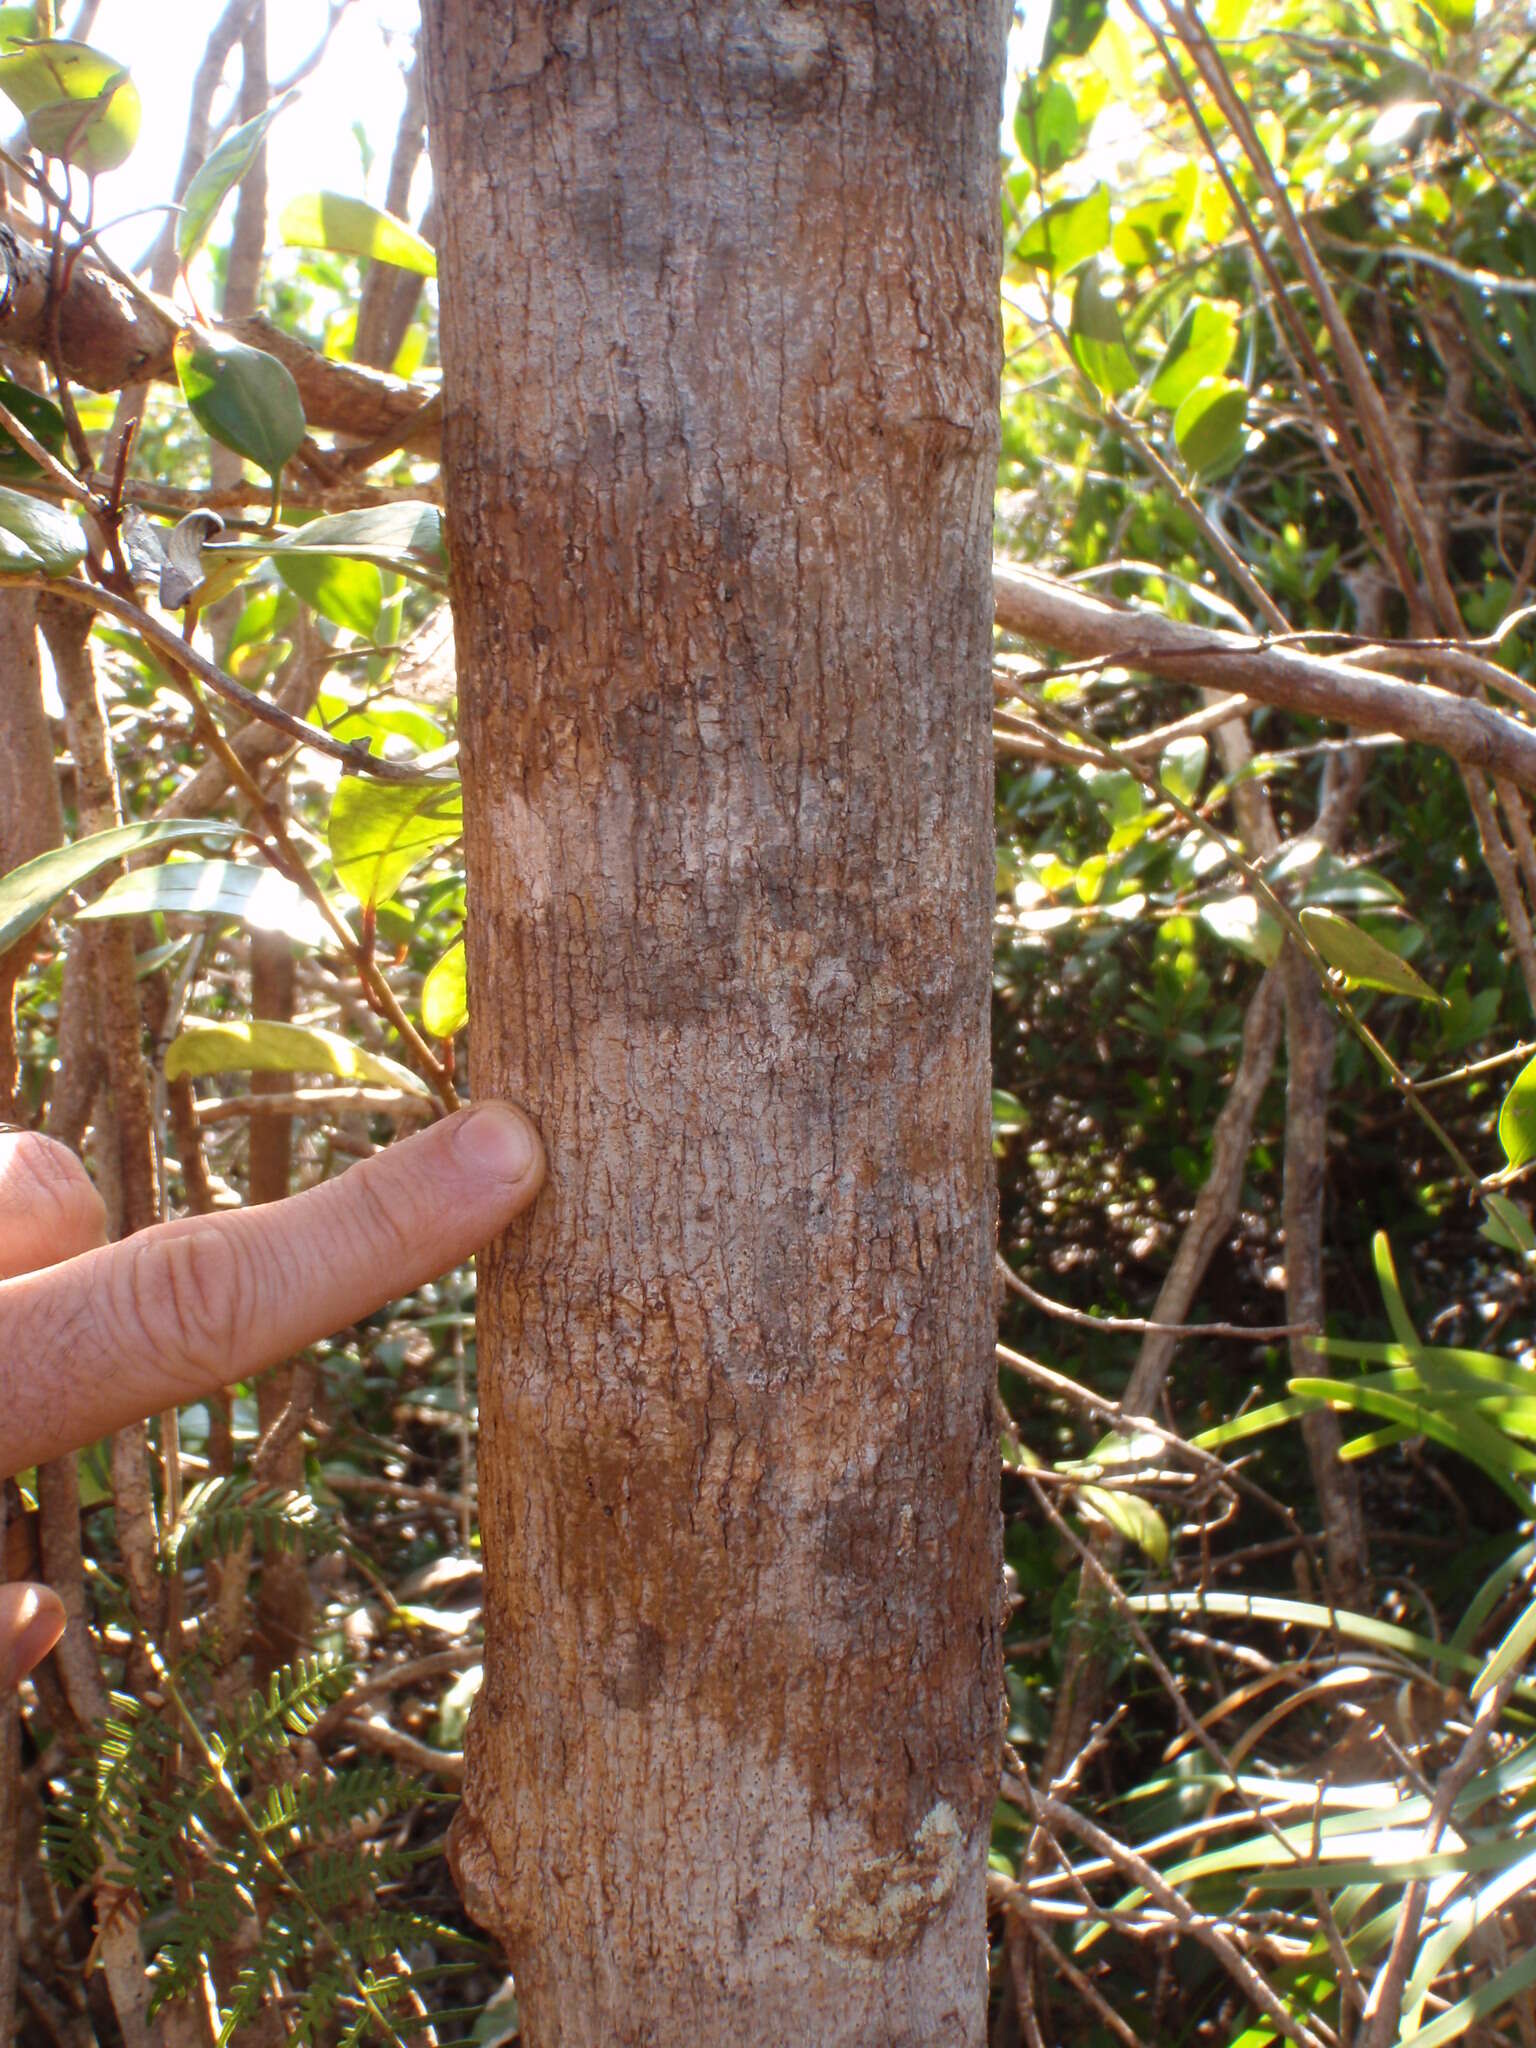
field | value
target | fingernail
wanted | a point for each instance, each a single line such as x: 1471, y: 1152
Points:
x: 497, y: 1142
x: 39, y: 1624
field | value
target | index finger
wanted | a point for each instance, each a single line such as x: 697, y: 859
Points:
x: 117, y: 1334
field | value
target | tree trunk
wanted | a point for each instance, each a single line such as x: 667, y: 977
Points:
x: 719, y: 292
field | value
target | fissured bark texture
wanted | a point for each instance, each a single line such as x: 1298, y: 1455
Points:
x: 719, y: 289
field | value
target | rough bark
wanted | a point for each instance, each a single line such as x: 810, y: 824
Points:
x: 721, y: 357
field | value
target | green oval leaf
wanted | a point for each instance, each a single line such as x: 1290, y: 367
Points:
x: 79, y: 104
x: 257, y: 896
x: 1508, y: 1226
x: 1517, y: 1117
x: 1129, y: 1516
x: 1208, y: 423
x: 36, y: 535
x: 1239, y: 922
x: 241, y: 397
x: 1363, y: 961
x: 1066, y: 234
x: 1201, y: 347
x: 445, y: 994
x: 30, y: 892
x: 42, y: 419
x: 351, y: 227
x: 218, y: 176
x: 347, y: 592
x: 1046, y: 125
x: 206, y: 1045
x: 380, y: 831
x: 1182, y: 768
x: 1098, y: 338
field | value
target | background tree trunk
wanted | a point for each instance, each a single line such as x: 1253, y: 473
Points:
x: 720, y: 348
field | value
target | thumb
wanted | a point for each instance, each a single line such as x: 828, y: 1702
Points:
x: 165, y: 1317
x: 31, y: 1622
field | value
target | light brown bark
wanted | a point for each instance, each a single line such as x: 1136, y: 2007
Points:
x: 721, y: 358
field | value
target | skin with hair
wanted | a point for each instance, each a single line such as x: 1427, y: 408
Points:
x: 97, y: 1336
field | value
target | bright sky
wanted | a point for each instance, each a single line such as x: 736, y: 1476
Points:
x: 362, y: 79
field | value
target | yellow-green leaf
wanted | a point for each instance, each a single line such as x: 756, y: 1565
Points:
x: 206, y: 1045
x: 1201, y: 347
x: 1363, y: 961
x: 36, y: 535
x: 351, y: 227
x: 380, y: 831
x: 219, y: 174
x: 445, y: 994
x: 1517, y: 1118
x: 80, y: 105
x: 1129, y: 1516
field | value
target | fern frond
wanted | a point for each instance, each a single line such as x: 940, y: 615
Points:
x: 218, y: 1514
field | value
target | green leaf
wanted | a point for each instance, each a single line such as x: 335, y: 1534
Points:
x: 1182, y: 768
x: 1456, y: 15
x: 1517, y: 1117
x: 1066, y: 234
x: 36, y: 535
x: 1098, y: 338
x: 1046, y: 126
x: 1008, y: 1113
x: 445, y: 995
x: 241, y: 397
x: 205, y: 1045
x: 1239, y: 922
x: 1391, y: 1291
x: 347, y: 592
x: 218, y: 176
x: 18, y: 24
x: 406, y: 537
x: 380, y: 831
x: 1072, y: 28
x: 1201, y: 347
x: 41, y: 416
x: 258, y: 896
x: 1209, y: 422
x: 80, y: 105
x: 1129, y: 1516
x: 1508, y: 1226
x: 1512, y: 1649
x: 30, y: 892
x: 1363, y: 961
x: 351, y: 227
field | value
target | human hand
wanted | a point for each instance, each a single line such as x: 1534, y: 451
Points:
x: 96, y: 1336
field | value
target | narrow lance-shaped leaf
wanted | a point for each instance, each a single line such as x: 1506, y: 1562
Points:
x: 211, y: 1046
x: 218, y: 176
x: 351, y: 227
x: 1363, y: 961
x: 35, y: 535
x: 258, y: 896
x: 30, y: 892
